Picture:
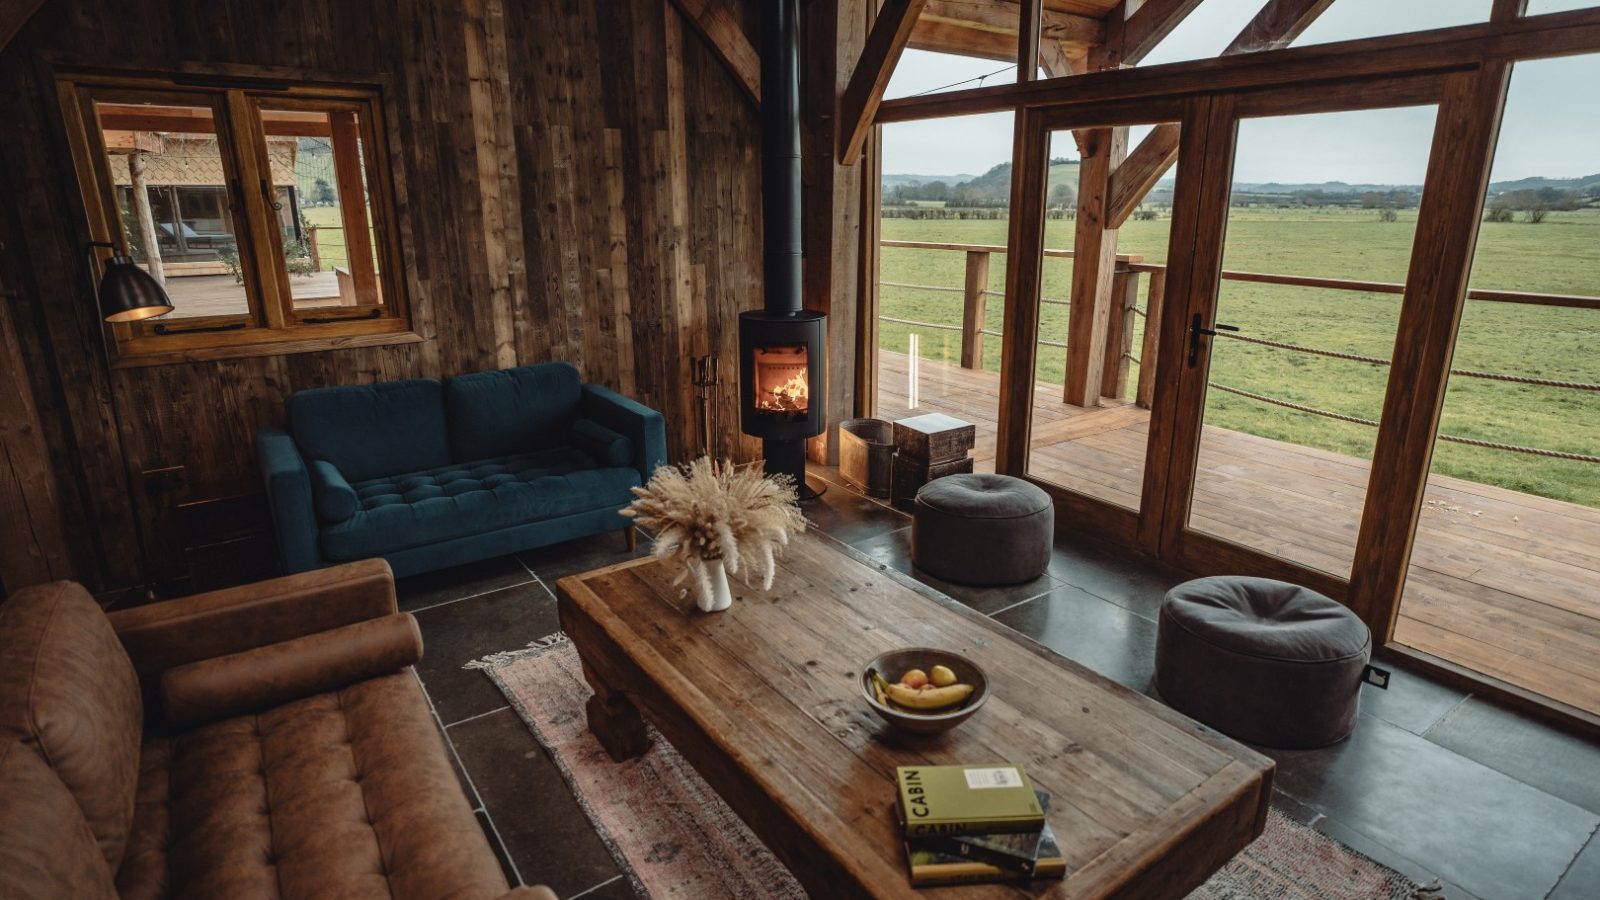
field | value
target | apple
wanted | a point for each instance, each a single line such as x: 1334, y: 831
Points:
x: 914, y: 679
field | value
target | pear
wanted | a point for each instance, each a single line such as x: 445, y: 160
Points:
x: 941, y: 676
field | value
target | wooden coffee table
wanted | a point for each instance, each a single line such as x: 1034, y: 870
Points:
x: 763, y: 700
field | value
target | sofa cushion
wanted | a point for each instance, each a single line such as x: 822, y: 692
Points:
x: 68, y: 690
x: 474, y: 498
x: 343, y: 794
x: 509, y: 411
x: 372, y: 429
x: 46, y: 848
x: 334, y: 498
x: 604, y: 446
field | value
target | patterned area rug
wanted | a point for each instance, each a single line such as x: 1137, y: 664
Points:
x: 677, y: 840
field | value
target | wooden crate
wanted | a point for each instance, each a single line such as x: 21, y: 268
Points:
x: 911, y: 473
x: 934, y: 437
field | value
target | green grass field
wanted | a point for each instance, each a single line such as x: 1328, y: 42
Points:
x: 1561, y: 255
x: 330, y: 237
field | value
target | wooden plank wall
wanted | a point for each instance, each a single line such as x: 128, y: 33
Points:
x: 574, y: 181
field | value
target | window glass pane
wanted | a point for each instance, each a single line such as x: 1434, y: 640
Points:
x: 323, y: 208
x: 1540, y: 7
x: 172, y: 196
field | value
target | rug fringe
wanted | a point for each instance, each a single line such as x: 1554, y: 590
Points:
x: 533, y: 648
x: 1433, y: 890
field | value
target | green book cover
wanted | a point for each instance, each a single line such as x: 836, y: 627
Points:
x: 937, y: 800
x: 931, y: 867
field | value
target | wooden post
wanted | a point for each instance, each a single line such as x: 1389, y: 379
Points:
x: 311, y: 245
x: 1119, y: 332
x: 1093, y: 260
x: 972, y: 309
x: 1151, y: 347
x: 147, y: 219
x: 353, y: 205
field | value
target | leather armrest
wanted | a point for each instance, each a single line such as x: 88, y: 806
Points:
x: 161, y: 636
x: 264, y: 677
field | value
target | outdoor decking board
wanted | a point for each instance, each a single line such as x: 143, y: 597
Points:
x: 1502, y: 582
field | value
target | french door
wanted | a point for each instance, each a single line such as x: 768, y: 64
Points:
x: 1288, y: 349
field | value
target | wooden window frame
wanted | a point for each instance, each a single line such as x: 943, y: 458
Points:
x: 271, y: 326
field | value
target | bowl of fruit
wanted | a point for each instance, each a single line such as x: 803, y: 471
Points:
x: 922, y: 690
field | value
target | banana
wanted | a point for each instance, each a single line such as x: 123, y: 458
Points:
x: 928, y: 698
x: 879, y: 686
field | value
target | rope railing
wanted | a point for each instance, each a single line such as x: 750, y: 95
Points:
x: 1373, y: 423
x: 1135, y: 264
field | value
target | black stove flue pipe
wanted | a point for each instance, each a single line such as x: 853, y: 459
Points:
x: 782, y: 320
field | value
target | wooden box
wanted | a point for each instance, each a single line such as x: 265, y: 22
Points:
x: 934, y: 437
x: 911, y: 473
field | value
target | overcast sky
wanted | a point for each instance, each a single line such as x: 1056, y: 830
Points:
x: 1552, y: 124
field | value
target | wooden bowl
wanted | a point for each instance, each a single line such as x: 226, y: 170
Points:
x: 895, y: 663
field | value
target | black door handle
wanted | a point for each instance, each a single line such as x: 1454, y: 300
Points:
x: 1197, y: 328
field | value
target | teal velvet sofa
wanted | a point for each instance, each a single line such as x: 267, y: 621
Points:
x: 429, y: 474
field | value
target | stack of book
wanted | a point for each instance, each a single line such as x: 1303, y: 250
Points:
x: 975, y: 824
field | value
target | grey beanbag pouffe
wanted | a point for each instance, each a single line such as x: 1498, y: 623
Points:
x: 982, y: 529
x: 1262, y: 661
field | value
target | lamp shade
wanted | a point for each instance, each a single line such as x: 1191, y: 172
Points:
x: 128, y: 293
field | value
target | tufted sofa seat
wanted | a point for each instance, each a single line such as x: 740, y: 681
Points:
x: 428, y: 474
x: 288, y: 751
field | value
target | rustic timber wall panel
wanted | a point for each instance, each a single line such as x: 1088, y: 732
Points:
x: 574, y: 181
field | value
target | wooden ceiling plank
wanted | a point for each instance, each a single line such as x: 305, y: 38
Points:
x: 713, y: 22
x: 1276, y: 25
x: 891, y: 31
x: 1002, y: 18
x: 939, y: 36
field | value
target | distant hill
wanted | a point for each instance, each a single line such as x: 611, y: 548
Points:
x: 892, y: 181
x: 991, y: 188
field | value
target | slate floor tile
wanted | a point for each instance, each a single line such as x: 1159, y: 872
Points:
x: 499, y: 849
x: 847, y: 516
x: 545, y: 832
x: 1131, y: 583
x: 430, y: 588
x: 1582, y: 880
x: 1414, y: 701
x: 1107, y: 638
x: 893, y: 549
x: 618, y: 888
x: 457, y: 633
x: 593, y: 552
x: 1557, y: 763
x: 1479, y: 828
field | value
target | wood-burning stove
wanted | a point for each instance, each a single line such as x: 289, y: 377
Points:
x: 782, y: 347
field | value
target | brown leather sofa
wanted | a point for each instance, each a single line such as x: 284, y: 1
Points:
x: 263, y: 741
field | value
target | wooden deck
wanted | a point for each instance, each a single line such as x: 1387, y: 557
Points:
x: 221, y: 295
x: 1502, y: 582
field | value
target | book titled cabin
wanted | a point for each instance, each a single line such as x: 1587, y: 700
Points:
x: 946, y: 800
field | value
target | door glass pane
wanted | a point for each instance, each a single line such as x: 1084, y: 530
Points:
x: 172, y: 196
x: 942, y: 271
x: 1297, y: 380
x: 1505, y: 569
x: 324, y: 213
x: 1098, y: 448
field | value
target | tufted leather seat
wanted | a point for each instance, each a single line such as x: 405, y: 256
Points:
x: 343, y: 790
x: 419, y: 508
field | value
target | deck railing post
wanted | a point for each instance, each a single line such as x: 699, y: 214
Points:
x: 1119, y: 332
x: 1150, y: 348
x: 977, y: 287
x: 316, y: 252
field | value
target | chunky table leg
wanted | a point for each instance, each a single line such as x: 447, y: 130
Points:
x: 614, y: 720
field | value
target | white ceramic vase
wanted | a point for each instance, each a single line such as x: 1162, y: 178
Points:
x: 719, y: 597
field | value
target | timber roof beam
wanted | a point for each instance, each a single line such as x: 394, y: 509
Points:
x: 713, y: 22
x: 891, y: 31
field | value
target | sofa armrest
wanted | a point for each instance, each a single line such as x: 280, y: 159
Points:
x: 162, y: 636
x: 638, y: 423
x: 263, y: 677
x: 288, y: 484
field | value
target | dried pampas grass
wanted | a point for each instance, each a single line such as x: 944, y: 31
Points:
x: 708, y: 513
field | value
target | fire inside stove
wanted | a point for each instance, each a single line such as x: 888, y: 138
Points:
x: 781, y: 383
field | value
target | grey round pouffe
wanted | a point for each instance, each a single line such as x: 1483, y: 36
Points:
x: 982, y: 529
x: 1262, y: 661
